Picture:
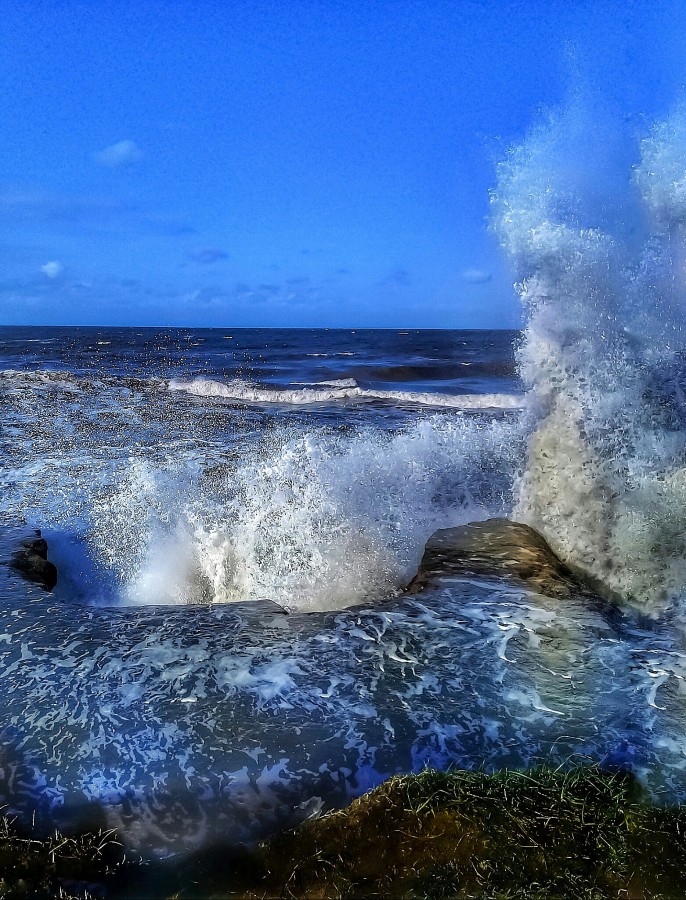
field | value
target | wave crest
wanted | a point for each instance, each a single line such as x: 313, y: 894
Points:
x: 348, y: 389
x: 310, y: 521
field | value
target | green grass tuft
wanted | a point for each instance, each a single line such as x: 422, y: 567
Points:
x: 583, y: 833
x: 60, y: 867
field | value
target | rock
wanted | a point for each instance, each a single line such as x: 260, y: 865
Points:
x: 32, y: 561
x: 497, y: 549
x: 25, y: 551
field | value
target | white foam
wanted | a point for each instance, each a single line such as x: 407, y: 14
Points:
x: 309, y: 521
x: 243, y: 392
x: 41, y: 378
x: 332, y: 383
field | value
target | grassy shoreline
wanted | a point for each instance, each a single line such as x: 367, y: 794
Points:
x: 584, y: 833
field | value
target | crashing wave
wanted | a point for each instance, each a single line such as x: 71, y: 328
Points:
x: 600, y: 261
x: 347, y: 389
x: 313, y: 521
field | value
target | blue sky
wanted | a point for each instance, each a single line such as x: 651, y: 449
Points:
x: 288, y: 164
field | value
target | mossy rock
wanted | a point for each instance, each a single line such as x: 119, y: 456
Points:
x: 582, y: 834
x: 501, y: 550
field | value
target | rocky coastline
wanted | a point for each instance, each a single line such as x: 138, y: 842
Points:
x: 431, y: 835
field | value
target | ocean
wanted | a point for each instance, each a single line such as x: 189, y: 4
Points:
x: 302, y: 467
x: 214, y: 501
x: 235, y: 514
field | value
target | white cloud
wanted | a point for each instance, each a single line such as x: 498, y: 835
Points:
x: 123, y: 153
x: 476, y: 276
x: 53, y: 269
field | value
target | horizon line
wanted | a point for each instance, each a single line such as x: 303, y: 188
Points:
x: 276, y: 327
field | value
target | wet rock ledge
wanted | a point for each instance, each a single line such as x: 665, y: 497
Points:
x: 500, y: 550
x: 24, y: 554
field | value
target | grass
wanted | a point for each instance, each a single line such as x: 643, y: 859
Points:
x: 60, y: 867
x: 584, y: 833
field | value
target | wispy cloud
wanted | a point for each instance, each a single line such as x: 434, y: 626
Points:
x: 244, y: 296
x: 118, y: 298
x: 395, y: 279
x: 32, y: 205
x: 29, y: 206
x: 120, y: 155
x: 476, y: 276
x: 53, y: 269
x: 208, y: 255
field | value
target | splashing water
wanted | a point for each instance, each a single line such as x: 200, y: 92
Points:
x: 310, y: 521
x: 598, y: 243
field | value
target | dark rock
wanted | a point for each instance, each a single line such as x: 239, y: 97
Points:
x: 35, y: 568
x: 26, y: 552
x: 497, y: 549
x: 37, y: 545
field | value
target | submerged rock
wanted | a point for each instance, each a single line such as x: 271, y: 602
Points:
x: 25, y: 551
x: 496, y: 549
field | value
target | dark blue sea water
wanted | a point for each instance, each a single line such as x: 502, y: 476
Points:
x: 231, y: 460
x: 445, y: 361
x: 234, y: 516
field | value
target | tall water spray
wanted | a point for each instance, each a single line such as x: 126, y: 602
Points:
x: 597, y: 238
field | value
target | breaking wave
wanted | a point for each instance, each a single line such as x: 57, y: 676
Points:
x: 311, y: 521
x: 599, y: 249
x: 342, y: 389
